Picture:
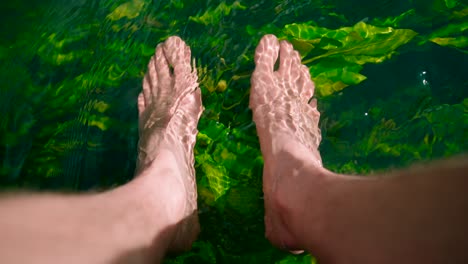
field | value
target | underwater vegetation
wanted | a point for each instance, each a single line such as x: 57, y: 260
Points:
x: 390, y: 81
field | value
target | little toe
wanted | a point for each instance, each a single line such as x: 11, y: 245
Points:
x: 198, y: 103
x: 313, y: 103
x: 266, y: 54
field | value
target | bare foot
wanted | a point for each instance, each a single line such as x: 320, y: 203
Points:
x: 169, y: 109
x: 287, y: 126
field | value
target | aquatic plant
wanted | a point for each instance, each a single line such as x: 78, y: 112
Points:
x: 390, y: 84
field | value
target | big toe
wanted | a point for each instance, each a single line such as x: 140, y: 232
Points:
x: 178, y: 55
x: 262, y: 80
x: 266, y: 53
x: 163, y: 71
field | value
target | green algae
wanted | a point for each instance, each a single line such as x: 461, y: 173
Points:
x: 390, y: 87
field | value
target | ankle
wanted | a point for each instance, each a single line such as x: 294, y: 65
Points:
x: 299, y: 192
x: 161, y: 192
x: 308, y: 214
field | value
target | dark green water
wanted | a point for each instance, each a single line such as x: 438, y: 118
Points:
x: 71, y: 71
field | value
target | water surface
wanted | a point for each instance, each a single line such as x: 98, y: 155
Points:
x: 71, y: 72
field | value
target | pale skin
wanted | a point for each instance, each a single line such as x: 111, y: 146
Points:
x: 138, y: 222
x: 417, y: 215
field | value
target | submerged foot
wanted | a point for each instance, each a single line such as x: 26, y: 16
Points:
x: 169, y: 109
x: 287, y: 126
x: 280, y: 99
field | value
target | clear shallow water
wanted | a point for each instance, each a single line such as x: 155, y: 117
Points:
x: 71, y: 72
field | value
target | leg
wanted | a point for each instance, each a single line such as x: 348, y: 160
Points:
x: 112, y: 227
x: 417, y: 215
x: 138, y: 222
x: 287, y: 126
x: 169, y: 108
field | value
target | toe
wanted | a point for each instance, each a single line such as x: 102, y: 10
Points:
x: 162, y: 67
x: 262, y: 79
x: 198, y: 103
x: 141, y: 104
x: 178, y: 55
x: 313, y: 103
x: 266, y: 54
x: 290, y: 64
x: 305, y: 86
x: 187, y: 57
x: 286, y: 59
x: 296, y: 65
x: 150, y: 80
